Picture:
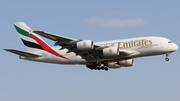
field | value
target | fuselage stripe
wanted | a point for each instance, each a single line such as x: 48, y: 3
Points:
x: 47, y: 47
x: 23, y: 32
x: 31, y: 44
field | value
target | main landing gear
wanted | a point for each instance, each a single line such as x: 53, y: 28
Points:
x: 167, y: 59
x: 96, y: 67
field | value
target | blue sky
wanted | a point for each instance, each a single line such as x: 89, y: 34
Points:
x: 150, y: 79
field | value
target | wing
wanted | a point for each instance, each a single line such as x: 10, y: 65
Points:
x: 61, y: 40
x: 23, y: 53
x: 69, y: 43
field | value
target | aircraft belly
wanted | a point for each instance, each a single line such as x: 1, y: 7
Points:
x: 77, y: 60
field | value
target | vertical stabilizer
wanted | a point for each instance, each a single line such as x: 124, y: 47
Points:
x: 32, y: 41
x: 24, y: 32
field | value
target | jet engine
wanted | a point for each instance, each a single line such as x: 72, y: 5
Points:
x: 110, y: 51
x: 113, y: 65
x: 126, y: 63
x: 85, y: 45
x: 119, y: 64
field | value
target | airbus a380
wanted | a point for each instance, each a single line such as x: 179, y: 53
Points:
x: 95, y: 55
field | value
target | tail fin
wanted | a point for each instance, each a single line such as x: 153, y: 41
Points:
x: 24, y: 32
x: 32, y: 41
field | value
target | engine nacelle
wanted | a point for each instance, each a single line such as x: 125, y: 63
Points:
x: 113, y: 65
x: 126, y: 63
x: 111, y: 51
x: 85, y: 45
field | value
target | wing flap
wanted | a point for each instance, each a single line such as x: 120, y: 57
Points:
x: 23, y: 53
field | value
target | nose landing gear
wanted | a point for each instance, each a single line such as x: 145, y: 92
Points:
x: 167, y: 59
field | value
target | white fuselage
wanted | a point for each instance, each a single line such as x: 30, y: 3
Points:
x: 137, y: 47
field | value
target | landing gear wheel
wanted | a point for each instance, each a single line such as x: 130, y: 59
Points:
x: 167, y: 59
x: 102, y: 68
x: 97, y: 66
x: 167, y: 54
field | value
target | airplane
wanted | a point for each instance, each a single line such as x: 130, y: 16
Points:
x: 95, y: 55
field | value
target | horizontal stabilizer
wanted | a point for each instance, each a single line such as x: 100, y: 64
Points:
x: 23, y: 53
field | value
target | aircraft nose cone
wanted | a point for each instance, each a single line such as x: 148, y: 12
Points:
x: 175, y: 47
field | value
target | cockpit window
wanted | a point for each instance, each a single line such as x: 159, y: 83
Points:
x: 169, y: 41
